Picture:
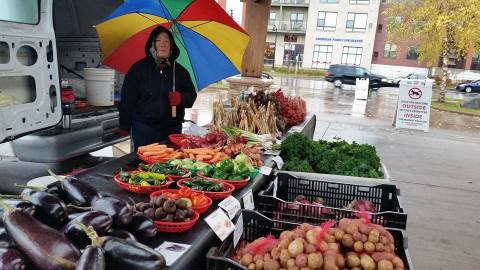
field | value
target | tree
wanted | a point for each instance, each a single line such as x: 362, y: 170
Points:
x: 440, y: 27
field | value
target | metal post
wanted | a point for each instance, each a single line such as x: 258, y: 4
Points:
x: 275, y: 50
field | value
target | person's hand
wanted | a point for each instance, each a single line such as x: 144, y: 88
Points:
x: 122, y: 132
x: 175, y: 98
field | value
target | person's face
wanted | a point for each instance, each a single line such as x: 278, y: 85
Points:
x: 162, y: 44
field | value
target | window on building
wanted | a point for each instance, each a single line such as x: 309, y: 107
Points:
x: 356, y: 22
x: 412, y: 53
x: 328, y: 1
x: 476, y: 61
x: 327, y: 21
x: 290, y: 38
x: 379, y: 28
x: 322, y: 56
x: 352, y: 55
x: 26, y: 11
x: 390, y: 50
x: 296, y: 21
x: 359, y: 2
x: 293, y: 54
x: 269, y: 54
x: 273, y: 16
x: 375, y: 54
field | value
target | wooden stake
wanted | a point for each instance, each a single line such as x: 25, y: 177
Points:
x: 174, y: 111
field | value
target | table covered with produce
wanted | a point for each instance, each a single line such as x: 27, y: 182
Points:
x: 218, y: 200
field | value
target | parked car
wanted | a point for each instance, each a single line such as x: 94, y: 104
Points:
x: 414, y: 76
x: 347, y: 74
x: 469, y: 87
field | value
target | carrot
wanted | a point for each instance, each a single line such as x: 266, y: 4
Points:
x: 199, y: 151
x: 191, y: 156
x: 155, y: 153
x: 204, y: 157
x: 216, y: 157
x: 176, y: 155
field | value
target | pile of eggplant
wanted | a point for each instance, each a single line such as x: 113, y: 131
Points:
x: 69, y: 225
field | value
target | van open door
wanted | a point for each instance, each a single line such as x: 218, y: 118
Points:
x: 29, y: 80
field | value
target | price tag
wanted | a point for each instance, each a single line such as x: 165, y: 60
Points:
x: 279, y: 161
x: 237, y: 234
x: 231, y: 205
x: 265, y: 170
x: 172, y: 251
x: 221, y: 225
x: 248, y: 200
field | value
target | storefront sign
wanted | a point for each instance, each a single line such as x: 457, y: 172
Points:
x: 413, y: 106
x: 248, y: 200
x: 329, y: 39
x: 361, y: 88
x: 172, y: 251
x: 231, y: 205
x: 221, y: 225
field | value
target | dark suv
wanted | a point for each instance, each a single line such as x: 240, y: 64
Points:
x: 346, y: 74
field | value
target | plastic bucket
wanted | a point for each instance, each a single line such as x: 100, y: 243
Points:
x: 99, y: 86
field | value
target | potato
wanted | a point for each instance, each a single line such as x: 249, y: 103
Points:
x: 322, y: 246
x: 384, y: 240
x: 251, y: 266
x: 364, y: 238
x: 364, y: 228
x: 259, y: 264
x: 291, y: 264
x: 284, y: 256
x: 305, y: 268
x: 385, y: 265
x: 339, y: 260
x: 374, y: 236
x: 329, y: 263
x: 298, y: 233
x: 358, y: 246
x: 339, y: 234
x: 369, y: 247
x: 391, y: 247
x: 347, y: 240
x: 343, y: 224
x: 329, y: 238
x: 275, y: 253
x: 309, y: 248
x: 352, y: 228
x: 301, y: 260
x: 367, y: 262
x: 284, y: 243
x: 266, y: 257
x: 353, y: 260
x: 356, y: 268
x: 296, y: 247
x: 311, y: 236
x: 271, y: 265
x: 247, y: 259
x: 379, y: 247
x: 306, y: 227
x: 333, y: 246
x: 357, y: 236
x: 398, y: 263
x: 286, y: 235
x: 378, y: 256
x: 315, y: 260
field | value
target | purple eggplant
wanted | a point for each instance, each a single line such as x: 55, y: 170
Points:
x: 49, y: 209
x: 56, y: 189
x: 92, y: 258
x: 100, y: 221
x: 46, y: 247
x: 24, y: 205
x: 125, y: 254
x: 120, y: 211
x: 142, y: 227
x: 121, y: 234
x: 11, y: 259
x: 78, y: 192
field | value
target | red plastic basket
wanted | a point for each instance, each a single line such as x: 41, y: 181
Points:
x: 165, y: 226
x: 181, y: 139
x: 178, y: 177
x: 200, y: 209
x: 150, y: 160
x: 139, y: 189
x: 238, y: 184
x: 214, y: 195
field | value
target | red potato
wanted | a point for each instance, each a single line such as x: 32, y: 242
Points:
x: 344, y: 222
x: 339, y: 260
x: 310, y: 248
x: 322, y: 246
x: 301, y: 260
x: 364, y: 238
x: 275, y: 253
x: 378, y: 256
x: 257, y: 257
x: 364, y: 228
x: 266, y: 257
x: 357, y: 236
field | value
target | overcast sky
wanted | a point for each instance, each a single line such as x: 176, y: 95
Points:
x: 237, y: 7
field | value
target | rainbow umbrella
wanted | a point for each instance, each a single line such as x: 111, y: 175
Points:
x: 211, y: 43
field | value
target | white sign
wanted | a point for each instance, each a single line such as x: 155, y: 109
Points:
x: 265, y: 170
x: 248, y: 200
x: 237, y: 234
x: 279, y: 161
x: 361, y: 88
x: 172, y: 251
x: 413, y: 107
x: 231, y: 205
x: 221, y: 225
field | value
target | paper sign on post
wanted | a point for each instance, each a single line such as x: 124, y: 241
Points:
x: 172, y: 251
x: 248, y: 200
x: 221, y: 225
x: 279, y: 161
x: 361, y: 88
x: 265, y: 170
x: 231, y: 205
x: 237, y: 234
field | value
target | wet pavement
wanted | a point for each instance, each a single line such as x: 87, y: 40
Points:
x: 438, y: 172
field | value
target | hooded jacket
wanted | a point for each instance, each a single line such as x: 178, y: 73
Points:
x: 145, y: 89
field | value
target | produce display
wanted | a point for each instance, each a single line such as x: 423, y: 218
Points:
x: 158, y: 151
x: 293, y: 109
x: 58, y: 228
x: 189, y: 164
x: 302, y: 154
x: 237, y: 169
x: 142, y: 178
x: 164, y: 168
x: 355, y: 244
x: 198, y: 201
x: 163, y: 208
x: 205, y: 154
x: 201, y: 184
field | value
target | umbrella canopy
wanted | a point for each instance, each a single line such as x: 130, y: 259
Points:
x: 211, y: 43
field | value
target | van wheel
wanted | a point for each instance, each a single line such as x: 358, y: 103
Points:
x: 337, y: 83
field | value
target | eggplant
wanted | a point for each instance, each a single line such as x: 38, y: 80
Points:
x: 125, y: 254
x: 47, y: 248
x: 121, y: 234
x: 100, y: 221
x: 11, y: 259
x: 78, y: 192
x: 56, y: 189
x: 120, y: 211
x: 142, y: 227
x: 5, y: 241
x: 20, y: 204
x: 92, y: 258
x: 49, y: 209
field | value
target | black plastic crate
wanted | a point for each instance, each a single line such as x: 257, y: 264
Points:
x: 256, y: 225
x: 279, y: 203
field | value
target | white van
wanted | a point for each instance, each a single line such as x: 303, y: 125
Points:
x: 44, y: 42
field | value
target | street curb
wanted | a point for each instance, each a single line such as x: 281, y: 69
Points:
x: 452, y: 111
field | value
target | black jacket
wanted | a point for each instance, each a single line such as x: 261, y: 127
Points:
x: 146, y: 87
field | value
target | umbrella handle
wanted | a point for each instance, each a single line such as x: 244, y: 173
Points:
x: 174, y: 111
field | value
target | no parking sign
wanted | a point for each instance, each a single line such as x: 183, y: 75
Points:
x: 413, y: 106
